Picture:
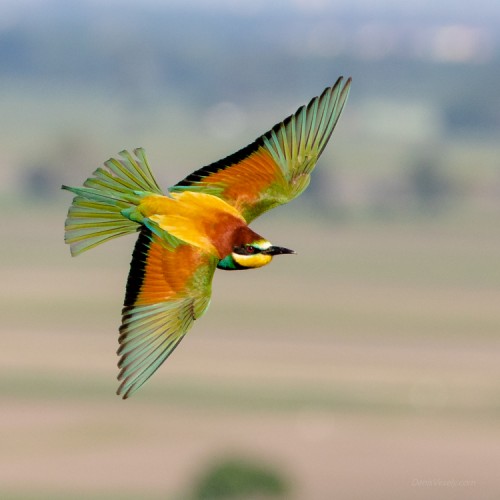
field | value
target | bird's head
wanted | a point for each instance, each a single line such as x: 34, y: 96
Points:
x: 250, y: 255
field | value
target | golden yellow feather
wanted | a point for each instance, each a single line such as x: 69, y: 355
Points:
x: 195, y: 218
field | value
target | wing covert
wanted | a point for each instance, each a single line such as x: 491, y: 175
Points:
x: 275, y: 168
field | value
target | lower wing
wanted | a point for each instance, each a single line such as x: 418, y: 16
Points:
x: 167, y: 289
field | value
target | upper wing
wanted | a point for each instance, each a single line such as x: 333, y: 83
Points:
x: 275, y: 168
x: 167, y: 289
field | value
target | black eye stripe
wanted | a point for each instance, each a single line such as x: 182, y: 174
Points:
x: 246, y: 250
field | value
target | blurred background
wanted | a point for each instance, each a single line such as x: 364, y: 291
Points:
x: 367, y: 366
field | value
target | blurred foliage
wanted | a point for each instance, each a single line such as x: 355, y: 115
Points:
x: 237, y: 478
x: 429, y: 184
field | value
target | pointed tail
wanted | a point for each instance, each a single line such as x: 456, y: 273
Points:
x: 97, y: 212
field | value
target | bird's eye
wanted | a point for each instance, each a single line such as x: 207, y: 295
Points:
x: 246, y: 250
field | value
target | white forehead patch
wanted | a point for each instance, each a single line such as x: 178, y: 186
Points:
x: 263, y: 244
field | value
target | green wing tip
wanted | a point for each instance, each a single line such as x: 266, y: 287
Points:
x: 122, y: 395
x: 122, y: 391
x: 347, y: 85
x: 345, y: 89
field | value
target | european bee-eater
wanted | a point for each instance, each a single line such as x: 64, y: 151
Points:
x: 200, y: 224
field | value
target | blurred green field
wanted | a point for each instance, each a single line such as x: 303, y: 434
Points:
x: 368, y: 363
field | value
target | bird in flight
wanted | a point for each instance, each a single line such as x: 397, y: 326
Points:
x: 199, y: 225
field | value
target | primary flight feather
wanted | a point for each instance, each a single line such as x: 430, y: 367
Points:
x: 200, y: 224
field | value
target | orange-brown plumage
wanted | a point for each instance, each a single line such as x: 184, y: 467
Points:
x: 247, y: 179
x: 166, y: 272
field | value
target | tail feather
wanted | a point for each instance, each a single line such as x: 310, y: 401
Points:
x: 97, y: 212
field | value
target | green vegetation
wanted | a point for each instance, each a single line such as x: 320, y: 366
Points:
x: 236, y: 478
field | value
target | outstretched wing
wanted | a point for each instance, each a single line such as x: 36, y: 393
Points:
x: 167, y: 289
x: 275, y: 168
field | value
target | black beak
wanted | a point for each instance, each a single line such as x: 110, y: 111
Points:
x: 278, y: 251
